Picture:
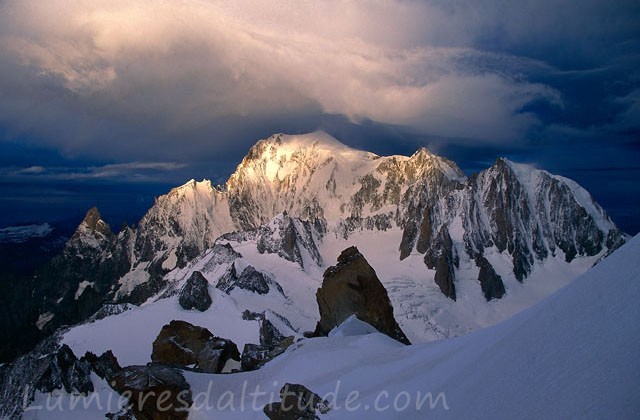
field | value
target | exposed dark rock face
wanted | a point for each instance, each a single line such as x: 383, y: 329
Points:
x: 298, y: 403
x: 532, y: 214
x: 110, y: 309
x: 220, y: 254
x: 105, y: 366
x: 270, y: 336
x: 18, y: 379
x: 286, y: 236
x: 94, y: 224
x: 352, y: 287
x: 69, y: 289
x: 250, y: 279
x: 380, y: 222
x: 254, y: 356
x: 443, y: 257
x: 156, y: 392
x: 427, y: 202
x: 49, y: 367
x: 615, y: 239
x: 66, y: 372
x: 513, y: 225
x: 195, y: 293
x: 490, y: 281
x: 185, y: 345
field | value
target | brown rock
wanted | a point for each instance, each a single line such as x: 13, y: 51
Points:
x: 298, y: 403
x: 254, y: 356
x: 352, y: 287
x: 185, y: 345
x: 155, y: 392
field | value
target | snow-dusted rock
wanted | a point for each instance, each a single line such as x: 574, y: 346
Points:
x: 67, y: 373
x: 250, y: 279
x: 255, y: 356
x: 186, y: 345
x: 105, y: 366
x: 195, y: 293
x: 154, y: 391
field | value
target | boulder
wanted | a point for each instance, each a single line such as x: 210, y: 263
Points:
x: 254, y: 356
x: 155, y: 392
x: 185, y: 345
x: 352, y: 288
x: 270, y: 336
x: 298, y: 403
x: 195, y: 293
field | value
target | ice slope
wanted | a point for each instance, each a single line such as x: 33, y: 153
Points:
x: 573, y: 355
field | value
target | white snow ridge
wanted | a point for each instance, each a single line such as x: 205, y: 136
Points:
x: 573, y: 355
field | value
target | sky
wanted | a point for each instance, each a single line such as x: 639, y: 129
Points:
x: 112, y: 102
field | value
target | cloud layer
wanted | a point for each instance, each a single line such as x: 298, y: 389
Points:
x: 78, y: 72
x: 121, y: 172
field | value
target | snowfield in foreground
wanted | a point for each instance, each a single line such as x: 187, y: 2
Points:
x: 573, y: 355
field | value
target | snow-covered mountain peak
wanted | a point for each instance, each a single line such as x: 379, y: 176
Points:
x: 424, y: 159
x: 192, y: 185
x: 535, y: 181
x: 280, y: 155
x: 319, y: 140
x: 422, y: 150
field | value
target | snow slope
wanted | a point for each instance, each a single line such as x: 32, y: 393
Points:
x: 130, y: 334
x: 573, y: 355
